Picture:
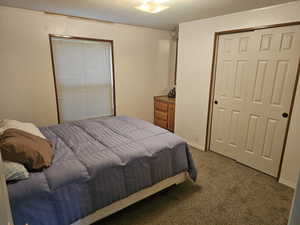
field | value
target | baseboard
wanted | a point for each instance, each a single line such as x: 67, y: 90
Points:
x: 194, y: 145
x: 287, y: 183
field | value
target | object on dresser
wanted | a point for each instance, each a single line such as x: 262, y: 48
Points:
x: 164, y: 112
x: 172, y: 93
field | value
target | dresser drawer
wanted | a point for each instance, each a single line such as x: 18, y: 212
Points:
x: 164, y: 112
x: 161, y: 115
x: 161, y: 106
x: 161, y: 123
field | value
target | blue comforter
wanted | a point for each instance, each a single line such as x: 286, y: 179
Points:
x: 96, y: 163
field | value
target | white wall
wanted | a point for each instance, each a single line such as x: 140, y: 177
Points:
x: 173, y: 46
x: 26, y: 80
x: 194, y: 71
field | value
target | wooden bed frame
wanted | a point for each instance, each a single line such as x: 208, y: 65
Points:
x: 5, y: 211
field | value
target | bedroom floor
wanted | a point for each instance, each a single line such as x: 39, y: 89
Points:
x: 226, y: 193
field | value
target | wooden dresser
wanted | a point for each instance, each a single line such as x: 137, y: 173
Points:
x: 164, y: 112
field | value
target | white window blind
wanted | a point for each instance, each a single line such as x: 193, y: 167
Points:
x: 84, y: 78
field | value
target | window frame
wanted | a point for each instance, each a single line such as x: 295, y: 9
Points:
x: 85, y: 39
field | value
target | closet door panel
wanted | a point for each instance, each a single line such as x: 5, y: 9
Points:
x: 232, y: 70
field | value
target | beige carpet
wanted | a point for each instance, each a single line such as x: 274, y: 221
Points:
x: 226, y: 193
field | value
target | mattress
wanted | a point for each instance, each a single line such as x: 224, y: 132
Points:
x: 96, y: 163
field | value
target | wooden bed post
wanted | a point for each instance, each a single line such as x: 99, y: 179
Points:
x: 5, y: 212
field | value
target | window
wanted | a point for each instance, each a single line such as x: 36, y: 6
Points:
x: 83, y: 72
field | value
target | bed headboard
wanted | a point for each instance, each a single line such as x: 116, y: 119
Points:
x: 5, y: 212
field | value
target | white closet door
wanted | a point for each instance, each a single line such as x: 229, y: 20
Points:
x: 83, y: 71
x: 269, y: 96
x: 252, y: 131
x: 233, y: 63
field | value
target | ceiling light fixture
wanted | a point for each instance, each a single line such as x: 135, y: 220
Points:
x: 152, y: 6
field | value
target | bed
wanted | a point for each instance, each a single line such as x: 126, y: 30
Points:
x: 100, y: 166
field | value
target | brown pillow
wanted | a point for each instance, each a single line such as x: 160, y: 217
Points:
x: 34, y: 152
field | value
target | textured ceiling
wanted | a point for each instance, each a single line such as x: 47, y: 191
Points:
x: 123, y: 11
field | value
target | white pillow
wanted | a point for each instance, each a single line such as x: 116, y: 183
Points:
x: 27, y: 127
x: 14, y: 171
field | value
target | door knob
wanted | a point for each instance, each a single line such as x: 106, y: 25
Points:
x: 285, y: 115
x: 216, y: 102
